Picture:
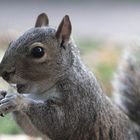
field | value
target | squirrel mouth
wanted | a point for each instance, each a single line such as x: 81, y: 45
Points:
x: 19, y: 87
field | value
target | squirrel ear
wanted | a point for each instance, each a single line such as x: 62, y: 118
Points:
x: 64, y: 30
x: 42, y: 20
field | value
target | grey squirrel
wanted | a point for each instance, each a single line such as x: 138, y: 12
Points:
x: 58, y: 96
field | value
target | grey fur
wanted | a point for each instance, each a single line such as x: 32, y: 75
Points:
x: 127, y: 85
x: 64, y: 100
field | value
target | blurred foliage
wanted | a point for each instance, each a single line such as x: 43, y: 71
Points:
x: 105, y: 68
x: 102, y: 58
x: 8, y: 125
x: 87, y: 45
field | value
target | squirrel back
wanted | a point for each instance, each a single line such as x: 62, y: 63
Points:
x: 126, y: 85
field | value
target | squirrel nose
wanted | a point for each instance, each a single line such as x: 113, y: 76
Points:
x: 6, y: 74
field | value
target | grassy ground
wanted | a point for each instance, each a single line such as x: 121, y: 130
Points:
x: 100, y: 56
x: 8, y: 126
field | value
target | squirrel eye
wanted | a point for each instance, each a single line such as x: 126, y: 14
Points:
x: 37, y: 52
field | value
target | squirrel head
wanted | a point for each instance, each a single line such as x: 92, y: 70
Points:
x: 39, y: 57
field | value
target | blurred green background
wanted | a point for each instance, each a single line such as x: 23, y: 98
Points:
x: 101, y: 56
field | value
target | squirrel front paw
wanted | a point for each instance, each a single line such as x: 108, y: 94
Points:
x: 54, y: 102
x: 10, y: 103
x: 3, y: 93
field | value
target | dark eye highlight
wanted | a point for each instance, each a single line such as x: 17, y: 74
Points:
x: 37, y: 52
